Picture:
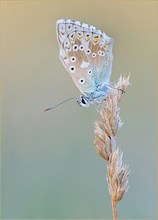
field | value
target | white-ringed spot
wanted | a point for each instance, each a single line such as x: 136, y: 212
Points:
x: 72, y: 69
x: 99, y: 52
x: 88, y: 51
x: 81, y: 81
x: 103, y: 53
x: 73, y: 59
x: 81, y: 47
x: 93, y: 55
x: 90, y: 72
x: 75, y: 47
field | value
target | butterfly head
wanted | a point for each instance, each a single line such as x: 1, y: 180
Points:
x: 83, y: 101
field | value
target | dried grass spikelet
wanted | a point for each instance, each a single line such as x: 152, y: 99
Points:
x: 117, y: 176
x: 106, y: 128
x: 105, y: 142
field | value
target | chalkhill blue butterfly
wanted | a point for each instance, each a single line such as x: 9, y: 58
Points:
x: 86, y: 53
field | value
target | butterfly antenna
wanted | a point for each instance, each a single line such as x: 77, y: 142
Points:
x: 51, y: 108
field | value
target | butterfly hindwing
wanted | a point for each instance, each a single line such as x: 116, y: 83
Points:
x: 86, y: 53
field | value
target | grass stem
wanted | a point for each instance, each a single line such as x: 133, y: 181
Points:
x: 114, y: 210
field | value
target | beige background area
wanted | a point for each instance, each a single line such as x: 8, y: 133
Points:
x: 50, y: 168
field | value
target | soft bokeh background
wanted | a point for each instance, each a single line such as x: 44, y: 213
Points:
x: 50, y: 168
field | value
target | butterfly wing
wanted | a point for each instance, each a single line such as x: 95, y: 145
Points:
x: 86, y: 53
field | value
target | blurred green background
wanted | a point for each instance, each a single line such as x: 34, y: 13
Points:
x: 50, y: 168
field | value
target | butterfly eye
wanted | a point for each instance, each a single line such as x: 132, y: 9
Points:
x: 73, y: 59
x: 93, y: 55
x: 81, y: 81
x: 72, y: 69
x: 81, y: 47
x: 75, y: 47
x: 90, y: 72
x: 83, y: 101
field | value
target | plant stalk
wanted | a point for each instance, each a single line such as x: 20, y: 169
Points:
x: 114, y: 210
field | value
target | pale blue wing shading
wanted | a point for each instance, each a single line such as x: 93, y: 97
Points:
x: 86, y: 53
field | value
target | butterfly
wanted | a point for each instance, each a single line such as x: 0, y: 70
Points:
x: 86, y: 53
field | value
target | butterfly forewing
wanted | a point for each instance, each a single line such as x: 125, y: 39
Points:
x: 86, y: 53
